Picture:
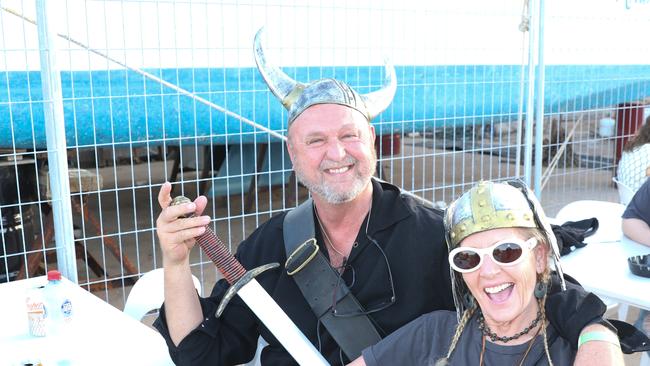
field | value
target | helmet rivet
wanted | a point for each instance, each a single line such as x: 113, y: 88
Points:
x: 453, y: 234
x: 486, y: 218
x: 526, y: 216
x: 462, y: 228
x: 510, y: 216
x: 481, y: 203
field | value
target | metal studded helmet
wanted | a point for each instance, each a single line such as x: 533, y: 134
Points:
x: 490, y: 205
x: 297, y: 97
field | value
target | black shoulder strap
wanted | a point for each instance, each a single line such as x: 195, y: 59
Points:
x: 317, y: 279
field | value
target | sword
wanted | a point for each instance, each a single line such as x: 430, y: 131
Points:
x: 244, y: 284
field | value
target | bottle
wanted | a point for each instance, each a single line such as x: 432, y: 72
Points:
x: 59, y: 314
x: 36, y: 311
x: 58, y: 305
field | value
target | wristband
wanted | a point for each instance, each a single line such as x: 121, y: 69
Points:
x: 598, y: 336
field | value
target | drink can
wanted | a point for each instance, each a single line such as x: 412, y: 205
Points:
x: 36, y: 313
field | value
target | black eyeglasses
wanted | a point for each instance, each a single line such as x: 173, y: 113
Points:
x: 379, y: 307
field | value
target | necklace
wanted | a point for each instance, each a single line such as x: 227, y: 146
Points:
x: 487, y: 332
x: 530, y: 346
x: 327, y: 238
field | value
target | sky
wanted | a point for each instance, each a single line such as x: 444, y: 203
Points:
x: 170, y: 34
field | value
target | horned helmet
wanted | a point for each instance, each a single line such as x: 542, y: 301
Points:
x: 296, y: 97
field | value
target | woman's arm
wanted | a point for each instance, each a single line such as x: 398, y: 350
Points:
x: 599, y: 352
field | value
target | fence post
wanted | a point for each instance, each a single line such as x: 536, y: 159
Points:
x: 530, y: 99
x: 56, y: 143
x: 539, y: 110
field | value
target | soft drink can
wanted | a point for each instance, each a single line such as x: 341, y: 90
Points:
x: 36, y: 313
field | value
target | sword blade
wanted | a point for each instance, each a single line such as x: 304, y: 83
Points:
x: 277, y: 321
x: 260, y: 302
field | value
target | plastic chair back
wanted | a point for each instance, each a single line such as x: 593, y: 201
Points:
x: 607, y: 213
x: 625, y: 193
x: 609, y: 229
x: 148, y: 294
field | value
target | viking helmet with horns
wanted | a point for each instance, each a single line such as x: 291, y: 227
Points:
x: 488, y: 206
x: 297, y: 97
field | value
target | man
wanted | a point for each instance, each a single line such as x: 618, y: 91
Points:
x: 387, y: 247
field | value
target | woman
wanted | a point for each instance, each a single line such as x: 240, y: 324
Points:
x: 635, y: 160
x: 501, y: 251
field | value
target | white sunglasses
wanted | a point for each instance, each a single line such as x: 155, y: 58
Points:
x: 506, y: 253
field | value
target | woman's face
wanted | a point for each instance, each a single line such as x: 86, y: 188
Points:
x: 505, y: 292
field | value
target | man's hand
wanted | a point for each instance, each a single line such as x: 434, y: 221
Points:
x: 176, y: 234
x: 572, y: 310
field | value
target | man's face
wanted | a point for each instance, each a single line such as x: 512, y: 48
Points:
x: 332, y: 150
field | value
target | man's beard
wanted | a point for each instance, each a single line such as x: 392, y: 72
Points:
x: 330, y: 193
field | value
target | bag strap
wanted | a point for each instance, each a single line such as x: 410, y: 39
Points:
x: 317, y: 279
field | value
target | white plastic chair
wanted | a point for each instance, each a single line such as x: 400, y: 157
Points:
x: 607, y: 213
x: 148, y: 294
x: 625, y: 193
x: 256, y: 361
x: 609, y: 229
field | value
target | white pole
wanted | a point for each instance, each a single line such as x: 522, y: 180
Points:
x: 56, y: 143
x: 530, y: 101
x: 539, y: 110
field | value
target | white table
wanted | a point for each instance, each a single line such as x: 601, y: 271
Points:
x: 601, y: 267
x: 101, y: 334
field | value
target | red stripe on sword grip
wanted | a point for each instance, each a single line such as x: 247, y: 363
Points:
x: 212, y: 246
x: 226, y: 263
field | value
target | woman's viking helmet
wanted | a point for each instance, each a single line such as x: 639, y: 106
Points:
x: 488, y: 206
x: 297, y: 97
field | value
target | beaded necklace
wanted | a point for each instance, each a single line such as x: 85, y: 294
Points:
x: 530, y: 346
x: 487, y: 332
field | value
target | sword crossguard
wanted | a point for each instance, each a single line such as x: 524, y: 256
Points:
x: 246, y: 278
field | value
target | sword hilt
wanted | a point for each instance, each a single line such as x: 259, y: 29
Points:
x: 226, y: 263
x: 214, y: 248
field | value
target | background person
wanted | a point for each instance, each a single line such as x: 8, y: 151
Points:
x: 500, y: 252
x: 636, y: 217
x: 636, y: 226
x: 634, y: 167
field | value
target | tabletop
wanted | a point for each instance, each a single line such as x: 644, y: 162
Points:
x: 100, y: 335
x: 601, y: 267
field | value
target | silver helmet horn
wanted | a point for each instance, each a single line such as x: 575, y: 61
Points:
x: 297, y: 97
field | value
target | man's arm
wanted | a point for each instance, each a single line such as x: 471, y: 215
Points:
x: 182, y: 307
x: 637, y: 230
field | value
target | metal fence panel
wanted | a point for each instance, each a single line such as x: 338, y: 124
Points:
x: 167, y: 90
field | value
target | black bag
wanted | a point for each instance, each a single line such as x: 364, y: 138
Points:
x: 571, y: 234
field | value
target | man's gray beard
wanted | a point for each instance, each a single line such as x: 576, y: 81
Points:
x: 332, y: 196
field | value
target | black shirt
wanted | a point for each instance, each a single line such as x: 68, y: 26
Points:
x: 427, y: 339
x: 411, y: 235
x: 639, y: 206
